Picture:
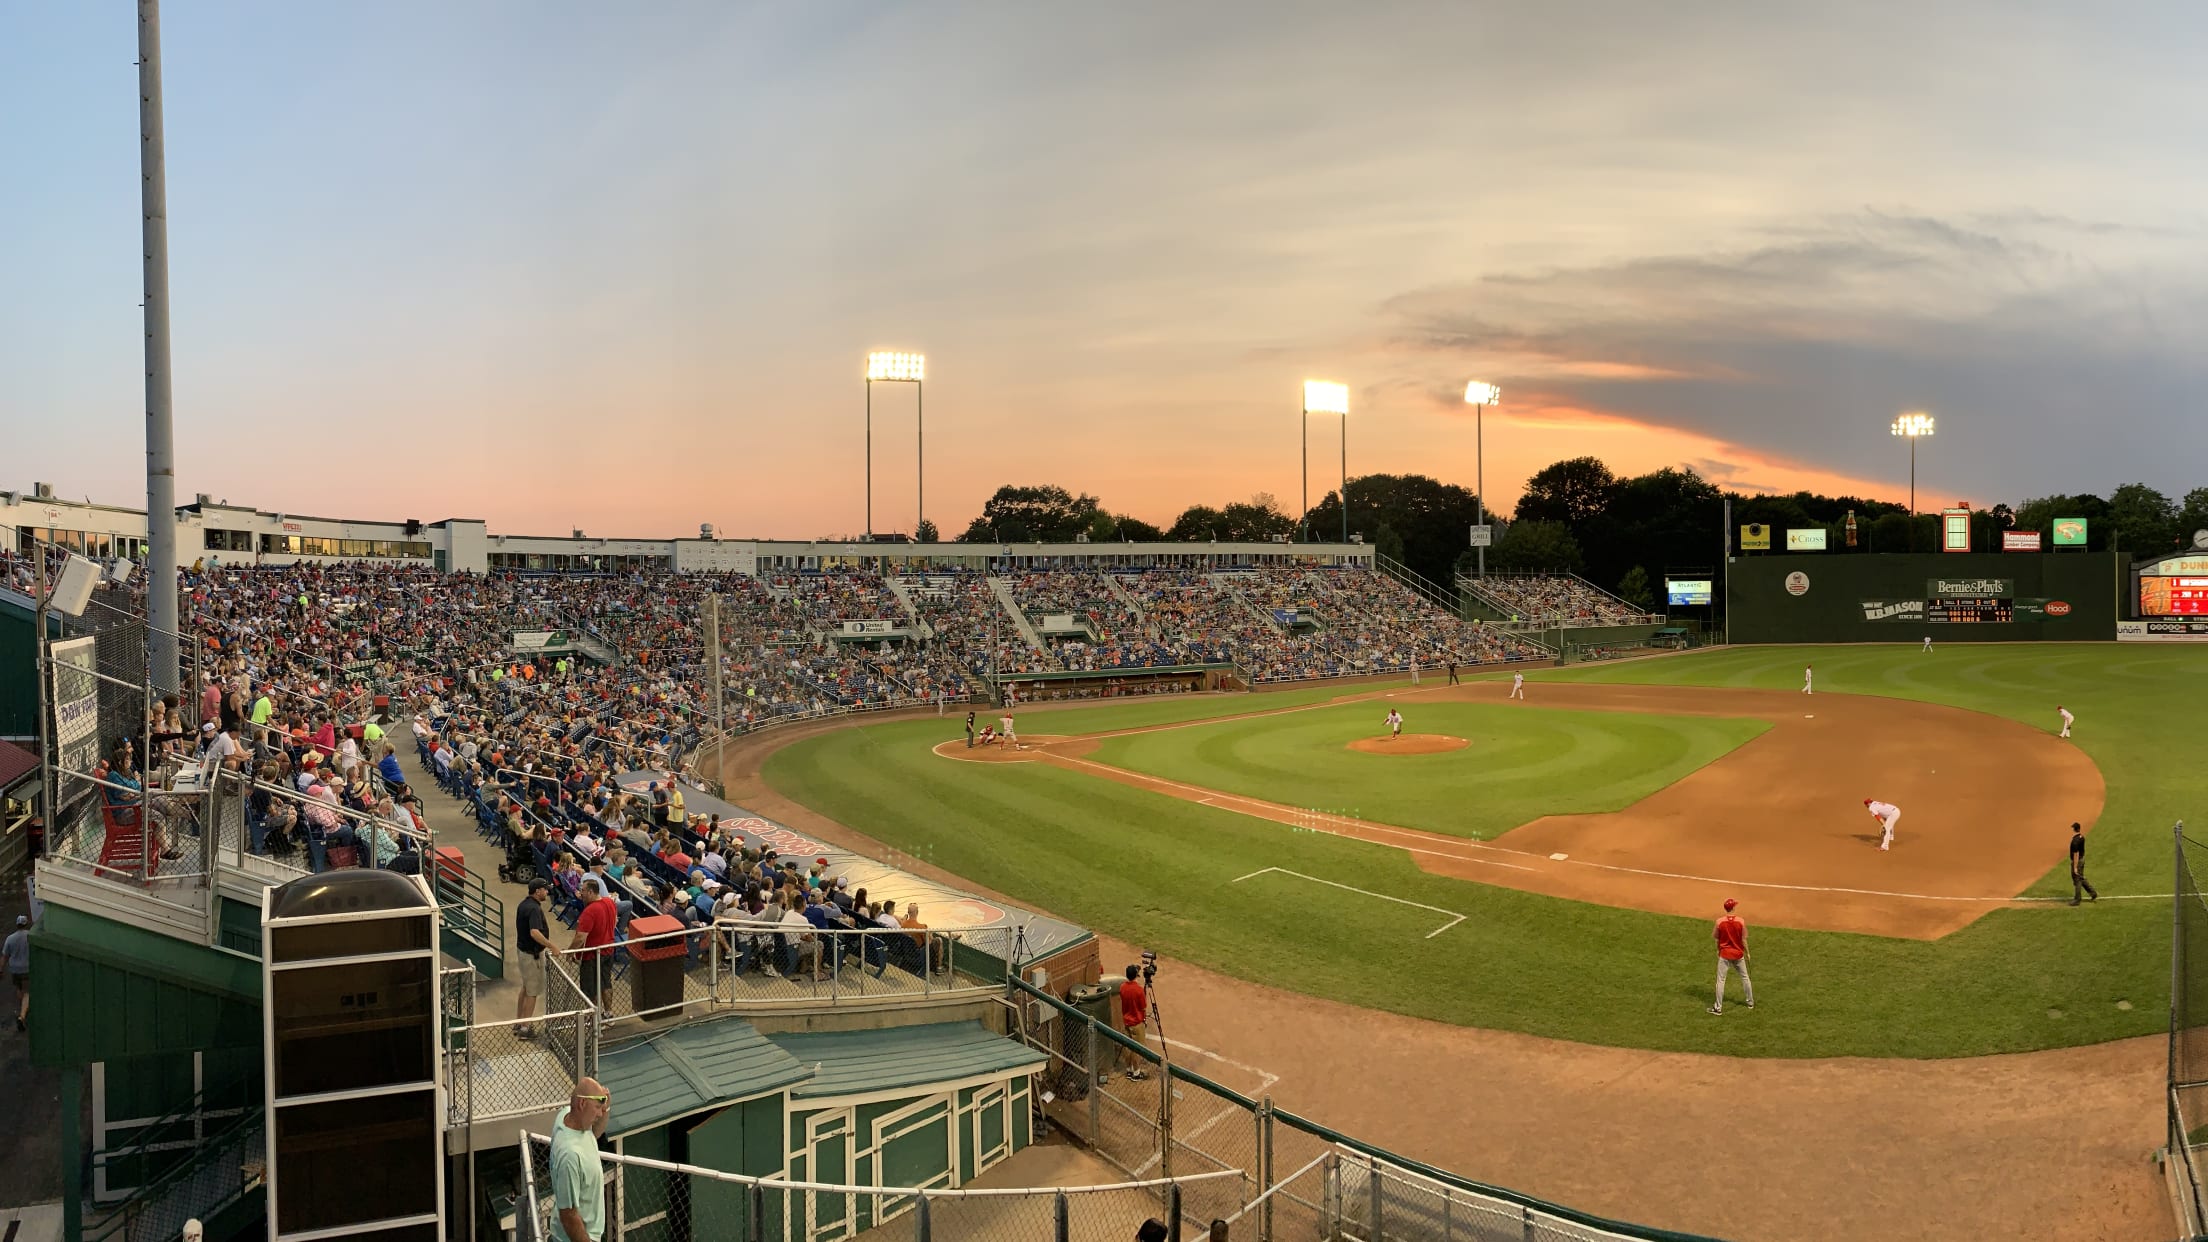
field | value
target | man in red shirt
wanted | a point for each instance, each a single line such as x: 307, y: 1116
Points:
x: 594, y: 933
x: 1732, y: 954
x: 1134, y: 1012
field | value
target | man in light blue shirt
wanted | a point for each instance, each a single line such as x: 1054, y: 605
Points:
x: 578, y: 1175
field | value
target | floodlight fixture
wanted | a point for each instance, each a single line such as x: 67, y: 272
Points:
x: 1913, y: 426
x: 1477, y: 393
x: 1325, y: 397
x: 896, y: 366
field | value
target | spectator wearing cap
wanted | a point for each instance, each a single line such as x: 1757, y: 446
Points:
x: 1732, y: 955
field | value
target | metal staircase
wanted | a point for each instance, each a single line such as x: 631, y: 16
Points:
x: 1002, y: 589
x: 214, y: 1176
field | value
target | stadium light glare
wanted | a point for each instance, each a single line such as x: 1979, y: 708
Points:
x: 1323, y: 397
x: 1477, y: 393
x: 896, y: 366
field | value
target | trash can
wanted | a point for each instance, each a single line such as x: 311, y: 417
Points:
x: 1081, y: 1043
x: 655, y: 969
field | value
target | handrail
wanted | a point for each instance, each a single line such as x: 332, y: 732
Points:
x: 466, y: 891
x: 159, y: 1133
x: 1419, y: 583
x: 245, y: 1134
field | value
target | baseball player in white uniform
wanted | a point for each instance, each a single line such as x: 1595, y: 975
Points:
x: 1928, y: 642
x: 1395, y: 724
x: 1887, y: 814
x: 1808, y: 676
x: 2067, y: 718
x: 1517, y: 685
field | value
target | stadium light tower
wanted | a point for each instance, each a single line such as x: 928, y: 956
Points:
x: 1323, y: 397
x: 153, y: 230
x: 1480, y: 396
x: 1913, y: 427
x: 895, y: 367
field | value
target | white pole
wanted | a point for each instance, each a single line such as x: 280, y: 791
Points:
x: 160, y: 433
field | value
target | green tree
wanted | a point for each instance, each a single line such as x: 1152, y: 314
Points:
x: 1634, y: 589
x: 1198, y: 522
x: 2143, y: 518
x: 1135, y: 530
x: 1536, y: 545
x: 925, y: 532
x: 1045, y: 514
x: 1571, y: 492
x: 2193, y: 515
x: 1432, y: 519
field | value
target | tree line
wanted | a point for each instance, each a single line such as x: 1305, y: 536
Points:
x: 1623, y: 534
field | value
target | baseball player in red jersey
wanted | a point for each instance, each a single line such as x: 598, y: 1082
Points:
x: 1732, y: 955
x: 1887, y: 814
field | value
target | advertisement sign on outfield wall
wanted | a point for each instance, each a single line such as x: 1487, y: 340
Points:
x: 1755, y: 537
x: 2162, y: 631
x: 2020, y: 541
x: 2069, y: 532
x: 1911, y: 610
x: 1806, y: 540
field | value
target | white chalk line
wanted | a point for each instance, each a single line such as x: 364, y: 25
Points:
x: 1454, y: 917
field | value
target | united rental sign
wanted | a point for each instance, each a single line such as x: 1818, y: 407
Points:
x: 1970, y: 588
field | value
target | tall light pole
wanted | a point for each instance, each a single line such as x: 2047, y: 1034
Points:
x: 1480, y: 396
x: 153, y: 228
x: 1324, y: 397
x: 1913, y: 427
x: 895, y: 367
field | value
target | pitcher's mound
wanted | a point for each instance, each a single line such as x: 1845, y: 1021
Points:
x: 1409, y: 744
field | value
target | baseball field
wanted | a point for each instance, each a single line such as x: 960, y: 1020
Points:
x: 1552, y: 866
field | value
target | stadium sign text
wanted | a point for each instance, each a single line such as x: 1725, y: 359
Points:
x: 1893, y: 610
x: 1970, y: 588
x: 869, y: 627
x: 2162, y: 631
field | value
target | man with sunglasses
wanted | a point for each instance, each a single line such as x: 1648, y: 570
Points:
x: 578, y: 1176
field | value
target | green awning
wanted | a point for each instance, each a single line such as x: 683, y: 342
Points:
x: 691, y: 1069
x: 859, y: 1062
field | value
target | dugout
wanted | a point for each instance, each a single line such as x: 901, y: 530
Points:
x: 1953, y: 597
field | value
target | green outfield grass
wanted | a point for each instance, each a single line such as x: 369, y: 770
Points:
x: 1522, y: 763
x: 1161, y: 871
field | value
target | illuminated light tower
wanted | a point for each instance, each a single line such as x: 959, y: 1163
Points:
x: 1325, y: 397
x: 1480, y: 396
x: 1913, y: 427
x: 896, y: 367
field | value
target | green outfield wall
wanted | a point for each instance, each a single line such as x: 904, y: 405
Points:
x: 1954, y: 597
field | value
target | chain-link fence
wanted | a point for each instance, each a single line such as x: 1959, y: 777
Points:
x: 1270, y: 1174
x: 2188, y: 1073
x: 656, y: 1201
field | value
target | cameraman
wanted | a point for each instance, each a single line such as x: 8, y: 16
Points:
x: 1134, y: 1013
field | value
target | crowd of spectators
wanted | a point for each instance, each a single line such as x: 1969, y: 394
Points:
x: 1557, y: 599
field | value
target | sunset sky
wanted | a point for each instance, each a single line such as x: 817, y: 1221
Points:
x: 617, y: 267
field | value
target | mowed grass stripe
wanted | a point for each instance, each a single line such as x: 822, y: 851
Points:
x: 1158, y: 870
x: 1523, y: 762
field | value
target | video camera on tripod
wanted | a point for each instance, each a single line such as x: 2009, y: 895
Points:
x: 1149, y: 966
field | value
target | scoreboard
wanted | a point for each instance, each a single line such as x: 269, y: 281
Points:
x: 2161, y: 596
x: 1970, y: 610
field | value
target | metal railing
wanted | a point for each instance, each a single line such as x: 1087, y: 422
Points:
x: 523, y: 1067
x: 1293, y: 1179
x: 218, y: 1171
x: 646, y: 1198
x: 738, y: 964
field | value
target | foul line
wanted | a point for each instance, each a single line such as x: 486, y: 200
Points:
x: 1454, y: 917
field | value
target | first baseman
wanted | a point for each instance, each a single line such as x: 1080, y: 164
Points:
x: 2067, y: 718
x: 1395, y: 724
x: 1887, y: 814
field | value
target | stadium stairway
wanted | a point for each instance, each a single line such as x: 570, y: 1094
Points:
x: 904, y: 598
x: 479, y: 896
x: 1002, y: 589
x: 1123, y: 595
